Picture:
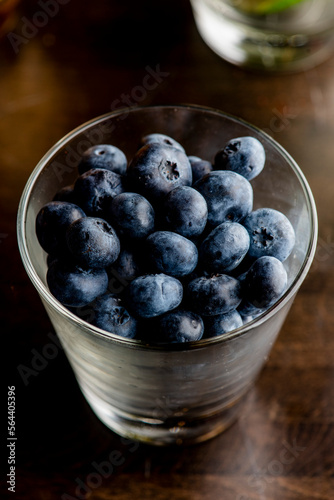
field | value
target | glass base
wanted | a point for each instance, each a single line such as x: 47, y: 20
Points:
x: 260, y: 46
x: 165, y: 432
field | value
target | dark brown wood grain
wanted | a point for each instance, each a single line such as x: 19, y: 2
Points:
x: 85, y: 59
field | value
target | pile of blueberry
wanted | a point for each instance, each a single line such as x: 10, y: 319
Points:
x: 180, y: 232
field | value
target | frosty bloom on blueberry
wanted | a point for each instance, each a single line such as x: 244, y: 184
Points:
x: 103, y: 156
x: 162, y: 139
x: 153, y: 294
x: 74, y: 286
x: 132, y: 214
x: 222, y: 323
x: 95, y: 188
x: 172, y: 253
x: 185, y: 211
x: 92, y: 242
x: 225, y: 247
x: 156, y: 169
x: 218, y: 294
x: 244, y: 155
x: 110, y: 315
x: 180, y: 326
x: 229, y: 196
x: 178, y: 234
x: 271, y: 233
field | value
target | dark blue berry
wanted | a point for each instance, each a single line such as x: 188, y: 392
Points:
x: 65, y: 194
x: 73, y: 286
x: 52, y: 222
x: 103, y: 156
x: 222, y: 323
x: 265, y: 282
x: 224, y: 248
x: 157, y: 169
x: 132, y: 215
x: 243, y: 155
x: 194, y: 159
x: 185, y: 211
x: 248, y: 312
x: 162, y: 139
x: 128, y: 265
x: 92, y: 242
x: 271, y: 233
x: 172, y: 253
x: 50, y: 258
x: 111, y: 315
x: 153, y: 294
x: 229, y: 196
x: 95, y: 189
x: 180, y: 326
x: 199, y: 167
x: 210, y: 296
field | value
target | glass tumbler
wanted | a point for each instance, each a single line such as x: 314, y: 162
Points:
x: 176, y: 393
x: 275, y: 35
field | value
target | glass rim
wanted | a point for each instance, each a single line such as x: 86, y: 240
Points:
x: 136, y: 343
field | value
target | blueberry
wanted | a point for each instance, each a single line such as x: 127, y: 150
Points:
x: 94, y: 190
x: 271, y: 233
x: 172, y: 253
x: 210, y: 296
x: 151, y: 295
x: 194, y: 159
x: 199, y: 167
x: 50, y: 258
x: 180, y: 326
x: 111, y: 315
x: 185, y: 211
x: 248, y: 312
x: 65, y: 194
x: 51, y: 223
x: 128, y: 265
x: 222, y: 323
x: 103, y: 156
x: 73, y: 286
x: 132, y: 215
x: 224, y: 248
x: 265, y: 282
x: 243, y: 155
x: 157, y: 169
x: 229, y: 196
x: 163, y: 139
x: 92, y: 242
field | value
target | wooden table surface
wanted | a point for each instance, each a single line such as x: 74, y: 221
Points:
x: 82, y: 61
